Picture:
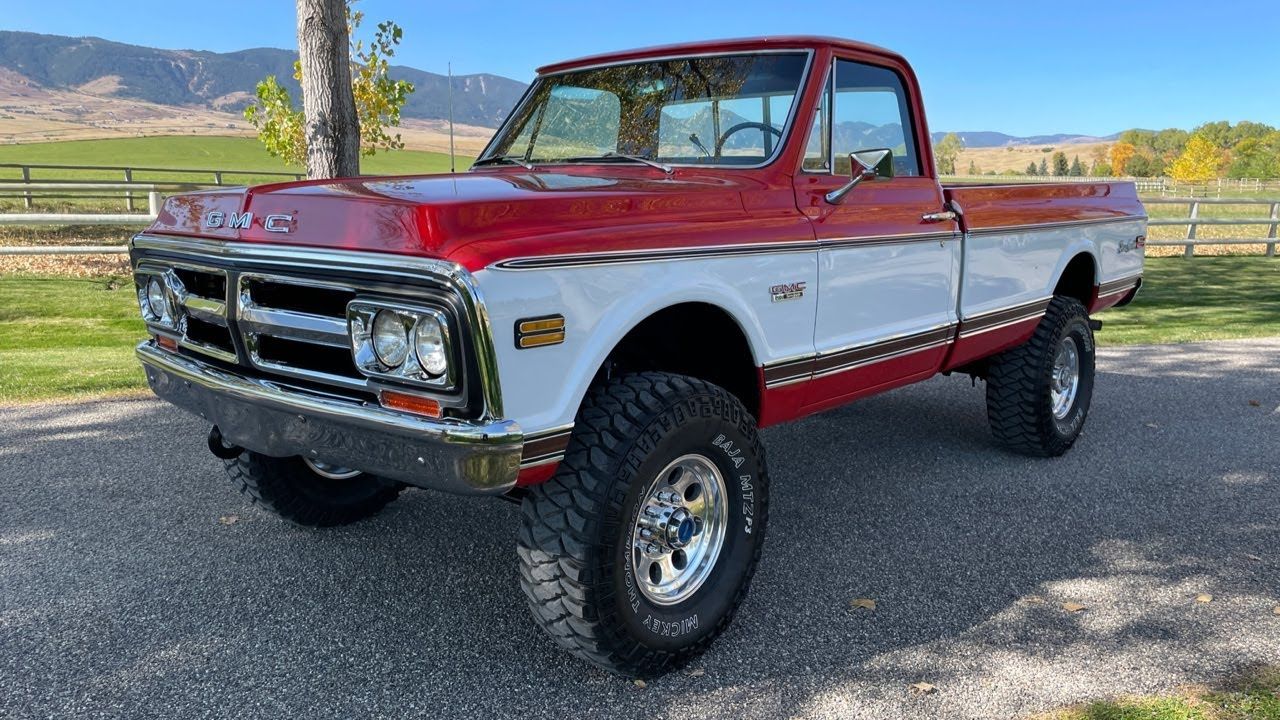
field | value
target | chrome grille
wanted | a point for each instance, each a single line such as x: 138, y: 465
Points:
x: 201, y: 292
x: 282, y: 314
x: 276, y: 338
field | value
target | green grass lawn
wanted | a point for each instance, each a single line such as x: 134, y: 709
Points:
x: 1256, y: 696
x: 208, y: 152
x: 62, y: 337
x: 1207, y: 298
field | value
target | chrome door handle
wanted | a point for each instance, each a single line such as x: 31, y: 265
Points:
x: 939, y: 216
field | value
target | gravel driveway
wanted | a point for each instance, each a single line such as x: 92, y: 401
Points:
x: 135, y: 582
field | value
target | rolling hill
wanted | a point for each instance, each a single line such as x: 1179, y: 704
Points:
x: 223, y: 81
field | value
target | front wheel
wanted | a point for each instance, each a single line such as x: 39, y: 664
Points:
x: 637, y: 553
x: 307, y: 492
x: 1038, y: 393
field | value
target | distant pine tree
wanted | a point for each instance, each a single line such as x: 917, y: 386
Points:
x: 1060, y: 166
x: 1077, y: 170
x: 1031, y: 169
x: 973, y: 168
x: 1044, y: 167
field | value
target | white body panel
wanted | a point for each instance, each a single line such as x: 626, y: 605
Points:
x: 542, y: 387
x: 854, y: 296
x: 875, y: 292
x: 1003, y: 269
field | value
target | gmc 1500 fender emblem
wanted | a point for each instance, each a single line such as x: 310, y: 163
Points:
x: 786, y: 291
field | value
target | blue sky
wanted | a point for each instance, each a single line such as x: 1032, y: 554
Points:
x: 1018, y: 67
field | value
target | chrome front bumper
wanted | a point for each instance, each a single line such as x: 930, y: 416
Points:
x: 263, y: 416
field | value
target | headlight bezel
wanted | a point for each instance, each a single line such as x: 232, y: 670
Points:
x: 170, y: 320
x: 361, y: 316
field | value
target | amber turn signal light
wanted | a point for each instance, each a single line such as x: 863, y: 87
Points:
x: 167, y: 343
x: 415, y: 404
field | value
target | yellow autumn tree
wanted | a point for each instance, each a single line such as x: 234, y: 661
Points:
x: 1199, y: 161
x: 1121, y: 153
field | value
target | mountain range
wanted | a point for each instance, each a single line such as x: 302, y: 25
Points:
x: 226, y: 81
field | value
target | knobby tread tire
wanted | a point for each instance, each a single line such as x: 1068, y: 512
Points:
x: 1018, y: 409
x: 288, y: 488
x: 566, y: 568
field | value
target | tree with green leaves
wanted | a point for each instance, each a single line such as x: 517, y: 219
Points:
x: 1077, y: 170
x: 345, y: 114
x: 973, y: 168
x: 1031, y: 169
x: 1043, y: 169
x: 1256, y: 157
x: 1060, y: 165
x: 946, y: 153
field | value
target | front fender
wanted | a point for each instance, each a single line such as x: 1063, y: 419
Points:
x: 542, y: 387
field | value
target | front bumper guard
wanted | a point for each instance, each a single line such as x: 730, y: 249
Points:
x: 266, y: 417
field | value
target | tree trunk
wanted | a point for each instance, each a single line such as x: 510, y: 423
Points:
x: 332, y: 127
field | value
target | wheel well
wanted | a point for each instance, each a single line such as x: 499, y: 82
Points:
x: 1077, y: 279
x: 696, y: 339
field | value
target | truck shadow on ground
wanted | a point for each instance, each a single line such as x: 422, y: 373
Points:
x: 124, y: 590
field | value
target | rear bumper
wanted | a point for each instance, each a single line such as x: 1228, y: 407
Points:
x: 266, y: 417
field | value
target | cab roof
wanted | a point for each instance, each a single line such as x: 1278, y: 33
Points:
x: 710, y: 47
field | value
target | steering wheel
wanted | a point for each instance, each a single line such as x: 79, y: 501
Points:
x: 745, y: 126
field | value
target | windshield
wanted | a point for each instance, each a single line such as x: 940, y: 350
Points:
x: 725, y: 110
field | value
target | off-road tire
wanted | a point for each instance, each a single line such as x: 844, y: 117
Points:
x: 575, y: 539
x: 1019, y: 408
x: 290, y: 489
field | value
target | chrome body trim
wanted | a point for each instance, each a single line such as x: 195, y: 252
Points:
x: 852, y: 357
x: 545, y: 262
x: 1057, y: 225
x: 474, y: 458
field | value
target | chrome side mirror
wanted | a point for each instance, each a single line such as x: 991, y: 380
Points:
x: 864, y: 165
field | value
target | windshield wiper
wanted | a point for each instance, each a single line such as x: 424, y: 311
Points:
x: 513, y: 159
x: 622, y: 156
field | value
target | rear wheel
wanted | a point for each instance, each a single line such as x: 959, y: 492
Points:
x: 637, y: 553
x: 1038, y: 393
x: 309, y: 492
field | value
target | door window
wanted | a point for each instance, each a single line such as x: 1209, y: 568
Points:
x: 870, y: 111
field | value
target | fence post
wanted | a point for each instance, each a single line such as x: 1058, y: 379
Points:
x: 128, y: 194
x: 153, y: 203
x: 1191, y: 231
x: 217, y: 178
x: 26, y: 178
x: 1271, y: 231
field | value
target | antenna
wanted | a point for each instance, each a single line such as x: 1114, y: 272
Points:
x: 452, y: 167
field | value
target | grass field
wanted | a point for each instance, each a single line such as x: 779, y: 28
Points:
x: 214, y: 153
x: 62, y: 337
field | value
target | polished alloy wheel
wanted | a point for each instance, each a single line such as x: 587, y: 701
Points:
x: 1065, y: 381
x: 329, y: 470
x: 680, y: 530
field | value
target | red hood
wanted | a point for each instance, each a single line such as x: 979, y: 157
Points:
x: 474, y: 218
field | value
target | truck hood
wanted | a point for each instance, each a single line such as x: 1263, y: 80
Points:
x: 473, y: 218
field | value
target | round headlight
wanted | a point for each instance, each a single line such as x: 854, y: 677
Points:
x: 390, y: 338
x: 428, y: 343
x: 157, y: 301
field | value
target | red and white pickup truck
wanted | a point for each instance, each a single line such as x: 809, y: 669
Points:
x: 660, y: 252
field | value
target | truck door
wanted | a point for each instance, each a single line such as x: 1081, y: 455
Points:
x: 888, y: 258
